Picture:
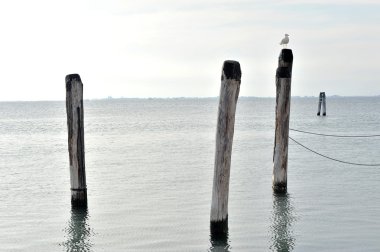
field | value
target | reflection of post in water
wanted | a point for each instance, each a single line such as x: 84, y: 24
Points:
x: 78, y: 232
x: 219, y: 237
x: 283, y: 220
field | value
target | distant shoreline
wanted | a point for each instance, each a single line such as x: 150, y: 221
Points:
x: 188, y: 98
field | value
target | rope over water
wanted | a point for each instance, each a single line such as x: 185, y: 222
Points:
x: 334, y: 159
x: 330, y: 135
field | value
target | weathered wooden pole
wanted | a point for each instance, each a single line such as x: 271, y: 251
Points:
x: 229, y: 93
x: 74, y: 109
x: 319, y: 104
x: 283, y: 94
x: 323, y: 104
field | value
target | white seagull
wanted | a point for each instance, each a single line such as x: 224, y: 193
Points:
x: 285, y: 41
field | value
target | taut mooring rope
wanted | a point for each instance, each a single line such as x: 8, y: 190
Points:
x: 334, y: 159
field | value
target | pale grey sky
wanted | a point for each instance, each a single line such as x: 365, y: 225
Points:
x: 173, y: 48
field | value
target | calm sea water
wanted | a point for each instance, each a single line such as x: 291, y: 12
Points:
x: 150, y: 167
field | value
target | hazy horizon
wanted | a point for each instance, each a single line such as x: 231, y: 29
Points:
x: 194, y: 97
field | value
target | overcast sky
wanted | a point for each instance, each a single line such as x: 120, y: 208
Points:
x: 174, y: 48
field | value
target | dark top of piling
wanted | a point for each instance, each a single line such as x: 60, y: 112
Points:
x: 73, y: 77
x: 70, y: 78
x: 232, y: 70
x: 286, y: 55
x: 285, y: 63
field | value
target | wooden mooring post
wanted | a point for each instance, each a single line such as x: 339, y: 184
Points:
x: 283, y: 95
x: 74, y: 109
x: 322, y: 102
x: 229, y: 93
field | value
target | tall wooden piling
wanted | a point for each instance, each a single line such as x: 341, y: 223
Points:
x: 319, y: 104
x: 283, y: 95
x: 229, y: 93
x: 74, y: 109
x: 322, y: 103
